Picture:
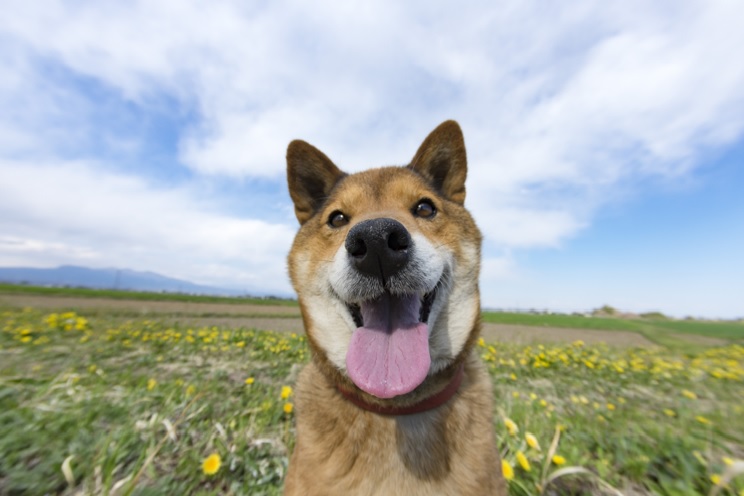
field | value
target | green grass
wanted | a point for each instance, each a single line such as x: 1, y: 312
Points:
x: 651, y: 328
x: 137, y: 295
x: 140, y: 404
x: 108, y: 394
x: 723, y: 330
x: 560, y: 320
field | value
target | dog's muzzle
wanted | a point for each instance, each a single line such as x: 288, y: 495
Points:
x: 388, y: 352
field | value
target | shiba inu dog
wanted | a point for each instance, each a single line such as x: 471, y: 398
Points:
x: 385, y: 265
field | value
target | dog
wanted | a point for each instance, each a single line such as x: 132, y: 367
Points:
x: 385, y: 265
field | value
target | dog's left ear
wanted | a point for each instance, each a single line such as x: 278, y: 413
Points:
x: 311, y: 176
x: 441, y: 159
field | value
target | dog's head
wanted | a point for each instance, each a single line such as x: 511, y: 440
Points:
x: 386, y: 264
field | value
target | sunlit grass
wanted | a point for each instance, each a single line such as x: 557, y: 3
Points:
x: 651, y: 418
x: 98, y: 405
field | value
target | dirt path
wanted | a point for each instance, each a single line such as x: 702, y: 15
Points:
x: 265, y: 317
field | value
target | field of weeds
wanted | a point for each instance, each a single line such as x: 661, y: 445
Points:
x: 101, y: 405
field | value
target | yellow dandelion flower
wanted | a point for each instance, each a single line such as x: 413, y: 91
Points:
x: 507, y: 470
x: 727, y: 461
x: 190, y: 390
x: 288, y: 407
x: 689, y: 394
x: 715, y: 479
x: 703, y: 420
x: 52, y: 320
x: 558, y: 460
x: 669, y: 412
x: 250, y: 381
x: 610, y: 406
x: 81, y: 323
x: 532, y: 441
x: 212, y: 464
x: 515, y: 394
x: 513, y: 377
x: 481, y: 342
x: 286, y: 392
x: 523, y: 462
x: 511, y: 426
x: 151, y: 384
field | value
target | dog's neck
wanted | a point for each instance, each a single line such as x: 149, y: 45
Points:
x: 422, y: 406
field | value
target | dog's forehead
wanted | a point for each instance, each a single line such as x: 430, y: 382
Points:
x: 384, y: 185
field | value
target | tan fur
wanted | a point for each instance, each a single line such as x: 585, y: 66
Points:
x: 341, y: 448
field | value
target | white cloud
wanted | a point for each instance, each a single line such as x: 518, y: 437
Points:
x: 73, y: 213
x: 523, y: 227
x: 549, y: 92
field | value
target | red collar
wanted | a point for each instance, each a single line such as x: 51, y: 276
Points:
x: 427, y: 404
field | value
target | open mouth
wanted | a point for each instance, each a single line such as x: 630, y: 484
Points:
x: 388, y: 352
x: 426, y: 302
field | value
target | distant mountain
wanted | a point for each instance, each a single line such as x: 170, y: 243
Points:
x: 132, y: 280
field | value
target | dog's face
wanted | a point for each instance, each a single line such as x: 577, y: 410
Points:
x: 386, y: 263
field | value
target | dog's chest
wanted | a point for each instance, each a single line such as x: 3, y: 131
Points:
x: 343, y: 450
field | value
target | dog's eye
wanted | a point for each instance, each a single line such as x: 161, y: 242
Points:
x: 425, y: 209
x: 337, y: 219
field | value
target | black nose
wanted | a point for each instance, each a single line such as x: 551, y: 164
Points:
x: 378, y: 247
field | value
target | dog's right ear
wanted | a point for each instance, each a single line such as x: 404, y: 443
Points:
x: 441, y: 159
x: 311, y: 176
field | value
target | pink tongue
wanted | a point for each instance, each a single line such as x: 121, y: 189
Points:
x: 389, y: 356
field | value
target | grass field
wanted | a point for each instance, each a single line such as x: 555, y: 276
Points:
x: 98, y: 404
x: 137, y: 295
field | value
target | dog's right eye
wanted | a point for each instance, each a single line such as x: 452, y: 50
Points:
x: 337, y: 219
x: 425, y: 209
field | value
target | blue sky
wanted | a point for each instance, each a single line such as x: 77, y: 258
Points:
x: 605, y: 139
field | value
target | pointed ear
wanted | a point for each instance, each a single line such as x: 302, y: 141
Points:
x: 311, y: 176
x: 441, y: 160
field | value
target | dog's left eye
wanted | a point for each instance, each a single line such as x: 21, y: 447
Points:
x: 425, y: 209
x: 337, y: 219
